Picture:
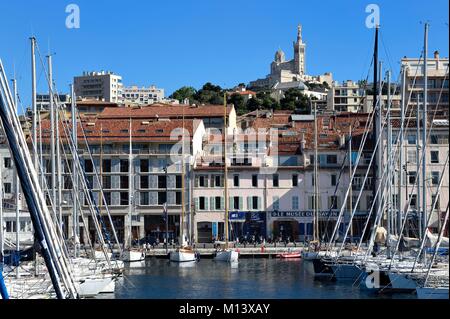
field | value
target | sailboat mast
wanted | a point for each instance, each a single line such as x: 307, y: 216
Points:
x: 75, y: 220
x: 130, y: 189
x: 401, y: 154
x: 183, y: 176
x: 33, y: 101
x: 225, y: 168
x: 52, y: 135
x: 14, y: 81
x: 424, y: 131
x: 389, y: 160
x: 350, y: 169
x: 375, y: 106
x: 316, y: 195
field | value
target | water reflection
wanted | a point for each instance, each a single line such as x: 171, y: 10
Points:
x: 250, y: 278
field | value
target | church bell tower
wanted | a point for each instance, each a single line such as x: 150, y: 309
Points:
x: 299, y: 53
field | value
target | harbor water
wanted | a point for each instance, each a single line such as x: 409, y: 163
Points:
x: 247, y: 279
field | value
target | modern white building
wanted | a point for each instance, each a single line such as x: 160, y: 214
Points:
x: 142, y: 95
x: 103, y: 86
x: 345, y: 97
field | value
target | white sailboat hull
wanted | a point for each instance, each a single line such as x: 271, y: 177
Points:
x: 182, y: 256
x: 432, y: 293
x: 91, y: 287
x: 133, y: 256
x: 227, y: 256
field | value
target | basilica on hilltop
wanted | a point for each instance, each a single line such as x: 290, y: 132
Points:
x: 292, y: 71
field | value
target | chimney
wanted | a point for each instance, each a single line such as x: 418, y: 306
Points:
x: 436, y: 55
x: 303, y: 143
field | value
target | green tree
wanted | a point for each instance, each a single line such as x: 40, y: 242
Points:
x: 294, y: 100
x: 186, y: 92
x: 238, y: 101
x: 209, y: 94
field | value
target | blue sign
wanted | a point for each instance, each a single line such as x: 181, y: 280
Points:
x: 214, y: 229
x: 237, y: 216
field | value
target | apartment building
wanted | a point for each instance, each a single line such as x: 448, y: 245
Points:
x: 345, y: 97
x: 103, y: 86
x: 135, y: 95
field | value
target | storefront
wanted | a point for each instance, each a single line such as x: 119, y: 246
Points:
x: 298, y: 225
x: 155, y: 228
x: 248, y: 224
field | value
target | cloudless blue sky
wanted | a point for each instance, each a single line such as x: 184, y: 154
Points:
x: 177, y: 43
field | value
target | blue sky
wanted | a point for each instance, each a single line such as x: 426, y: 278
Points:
x: 177, y: 43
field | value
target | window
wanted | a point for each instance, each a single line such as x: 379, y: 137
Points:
x: 276, y: 203
x: 276, y: 180
x: 124, y: 184
x: 144, y: 165
x: 413, y: 200
x: 333, y: 180
x: 333, y: 202
x: 178, y: 182
x: 106, y: 166
x: 145, y: 199
x: 88, y: 167
x: 162, y: 182
x: 435, y: 157
x: 369, y: 201
x: 7, y: 162
x: 178, y: 198
x: 236, y: 202
x: 124, y: 199
x: 202, y: 181
x: 253, y: 203
x: 255, y: 180
x: 434, y: 139
x: 124, y: 167
x: 218, y: 203
x: 311, y: 201
x: 313, y: 180
x: 433, y: 199
x: 217, y: 181
x: 162, y: 198
x: 295, y: 205
x: 412, y: 178
x: 294, y: 180
x: 412, y: 156
x: 106, y: 181
x: 107, y: 197
x: 202, y: 203
x: 145, y: 182
x: 235, y: 180
x: 7, y: 188
x: 435, y: 178
x: 331, y: 159
x: 411, y: 139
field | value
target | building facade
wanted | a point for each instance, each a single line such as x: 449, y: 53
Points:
x: 142, y: 96
x: 103, y: 86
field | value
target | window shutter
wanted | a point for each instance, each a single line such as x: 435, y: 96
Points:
x: 241, y: 203
x: 206, y: 203
x: 212, y: 203
x: 222, y: 203
x: 197, y: 181
x: 249, y: 203
x: 196, y: 204
x: 259, y: 203
x: 231, y: 203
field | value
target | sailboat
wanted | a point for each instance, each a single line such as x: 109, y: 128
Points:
x: 226, y: 254
x: 313, y: 250
x: 129, y: 254
x: 185, y: 253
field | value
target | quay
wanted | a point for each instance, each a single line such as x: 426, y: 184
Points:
x: 250, y: 251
